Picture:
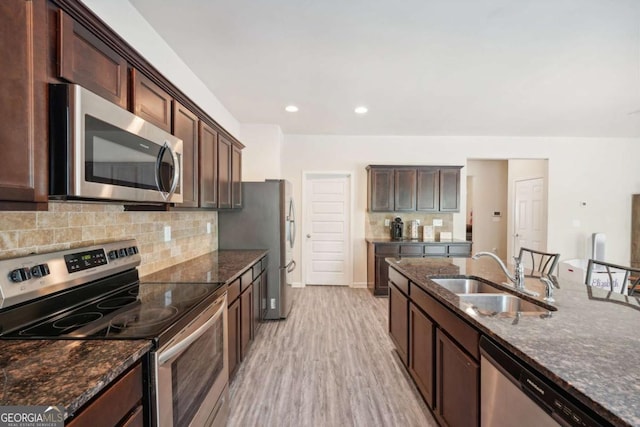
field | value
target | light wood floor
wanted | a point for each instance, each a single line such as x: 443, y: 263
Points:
x: 331, y: 363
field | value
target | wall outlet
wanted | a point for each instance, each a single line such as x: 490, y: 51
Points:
x: 208, y: 228
x: 167, y: 233
x: 417, y: 222
x: 437, y: 223
x: 273, y: 303
x: 387, y: 222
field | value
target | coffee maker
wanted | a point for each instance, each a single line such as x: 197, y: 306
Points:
x: 396, y: 228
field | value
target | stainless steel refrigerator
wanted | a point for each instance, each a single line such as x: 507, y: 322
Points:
x: 266, y: 221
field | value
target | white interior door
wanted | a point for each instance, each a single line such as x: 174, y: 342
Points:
x: 530, y: 215
x: 326, y: 234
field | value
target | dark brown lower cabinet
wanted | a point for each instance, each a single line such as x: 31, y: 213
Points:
x: 422, y: 333
x: 234, y: 337
x: 246, y: 320
x: 398, y: 326
x: 457, y: 384
x: 119, y: 404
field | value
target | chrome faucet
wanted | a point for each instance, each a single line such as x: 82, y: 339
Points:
x: 517, y: 278
x: 550, y: 284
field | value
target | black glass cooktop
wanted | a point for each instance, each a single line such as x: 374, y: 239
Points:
x: 135, y: 311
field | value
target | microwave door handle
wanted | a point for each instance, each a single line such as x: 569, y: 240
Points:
x: 182, y: 345
x: 176, y: 171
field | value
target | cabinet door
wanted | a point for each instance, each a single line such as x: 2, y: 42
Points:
x: 428, y: 194
x: 264, y: 295
x: 380, y: 191
x: 150, y: 102
x: 398, y: 321
x: 421, y: 353
x: 23, y: 105
x: 233, y: 332
x: 246, y: 320
x: 185, y: 127
x: 450, y: 190
x: 236, y: 177
x: 381, y: 286
x: 457, y: 384
x: 208, y: 166
x: 405, y: 190
x: 89, y: 62
x: 224, y: 172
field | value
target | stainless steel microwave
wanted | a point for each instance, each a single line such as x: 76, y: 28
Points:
x: 99, y: 151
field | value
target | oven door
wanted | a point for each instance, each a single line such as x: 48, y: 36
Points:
x: 191, y: 372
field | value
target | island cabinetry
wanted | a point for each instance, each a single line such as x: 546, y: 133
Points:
x: 23, y: 105
x: 120, y: 404
x: 413, y: 188
x: 398, y: 309
x: 442, y: 355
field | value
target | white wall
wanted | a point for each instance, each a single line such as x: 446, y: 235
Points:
x: 125, y: 20
x: 261, y: 158
x: 490, y: 195
x: 601, y: 171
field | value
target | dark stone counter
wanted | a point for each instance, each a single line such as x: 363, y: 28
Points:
x: 589, y: 346
x: 66, y: 373
x: 222, y: 266
x: 427, y: 242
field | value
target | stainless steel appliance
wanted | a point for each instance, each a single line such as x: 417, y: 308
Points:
x: 266, y: 221
x: 512, y: 394
x: 95, y: 293
x: 100, y: 151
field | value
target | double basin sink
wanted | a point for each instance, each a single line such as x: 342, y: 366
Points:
x: 487, y: 299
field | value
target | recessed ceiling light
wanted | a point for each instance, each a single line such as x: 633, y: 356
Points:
x: 361, y: 110
x: 291, y: 108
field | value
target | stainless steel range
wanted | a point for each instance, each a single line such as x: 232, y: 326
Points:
x: 95, y: 293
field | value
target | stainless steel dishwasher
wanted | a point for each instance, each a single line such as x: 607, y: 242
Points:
x: 512, y: 394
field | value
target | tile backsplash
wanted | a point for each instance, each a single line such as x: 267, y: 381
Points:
x: 375, y: 222
x: 68, y: 225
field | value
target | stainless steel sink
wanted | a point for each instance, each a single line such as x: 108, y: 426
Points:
x: 463, y: 285
x: 502, y: 303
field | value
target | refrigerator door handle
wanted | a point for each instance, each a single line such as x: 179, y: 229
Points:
x: 292, y: 222
x: 291, y: 266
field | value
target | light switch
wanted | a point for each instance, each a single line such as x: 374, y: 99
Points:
x: 387, y: 222
x: 208, y: 228
x: 437, y: 223
x: 167, y: 233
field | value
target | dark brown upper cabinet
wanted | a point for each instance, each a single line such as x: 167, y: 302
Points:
x: 149, y: 101
x: 86, y: 60
x: 185, y: 127
x: 236, y: 177
x: 224, y: 173
x: 413, y: 188
x: 23, y: 105
x: 380, y: 191
x: 208, y: 166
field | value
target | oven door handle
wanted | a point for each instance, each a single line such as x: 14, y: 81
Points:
x: 179, y: 347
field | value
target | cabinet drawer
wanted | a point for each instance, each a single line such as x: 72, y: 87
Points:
x: 233, y: 291
x: 460, y: 250
x: 410, y: 249
x: 435, y: 250
x: 246, y: 279
x: 466, y: 335
x: 257, y: 269
x: 115, y: 403
x: 392, y: 249
x: 399, y: 280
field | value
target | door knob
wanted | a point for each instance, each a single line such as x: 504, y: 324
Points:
x: 308, y: 236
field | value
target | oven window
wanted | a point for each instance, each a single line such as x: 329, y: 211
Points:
x: 115, y: 156
x: 194, y: 372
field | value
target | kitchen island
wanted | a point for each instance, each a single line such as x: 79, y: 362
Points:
x: 586, y: 346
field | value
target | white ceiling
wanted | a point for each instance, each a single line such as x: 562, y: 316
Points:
x: 422, y: 67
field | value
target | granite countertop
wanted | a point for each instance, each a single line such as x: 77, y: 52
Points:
x: 589, y: 346
x: 63, y: 372
x: 221, y: 266
x: 406, y: 240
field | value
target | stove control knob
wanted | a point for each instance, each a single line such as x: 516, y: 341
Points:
x: 131, y: 250
x: 122, y: 253
x: 20, y: 274
x: 40, y: 270
x: 113, y: 254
